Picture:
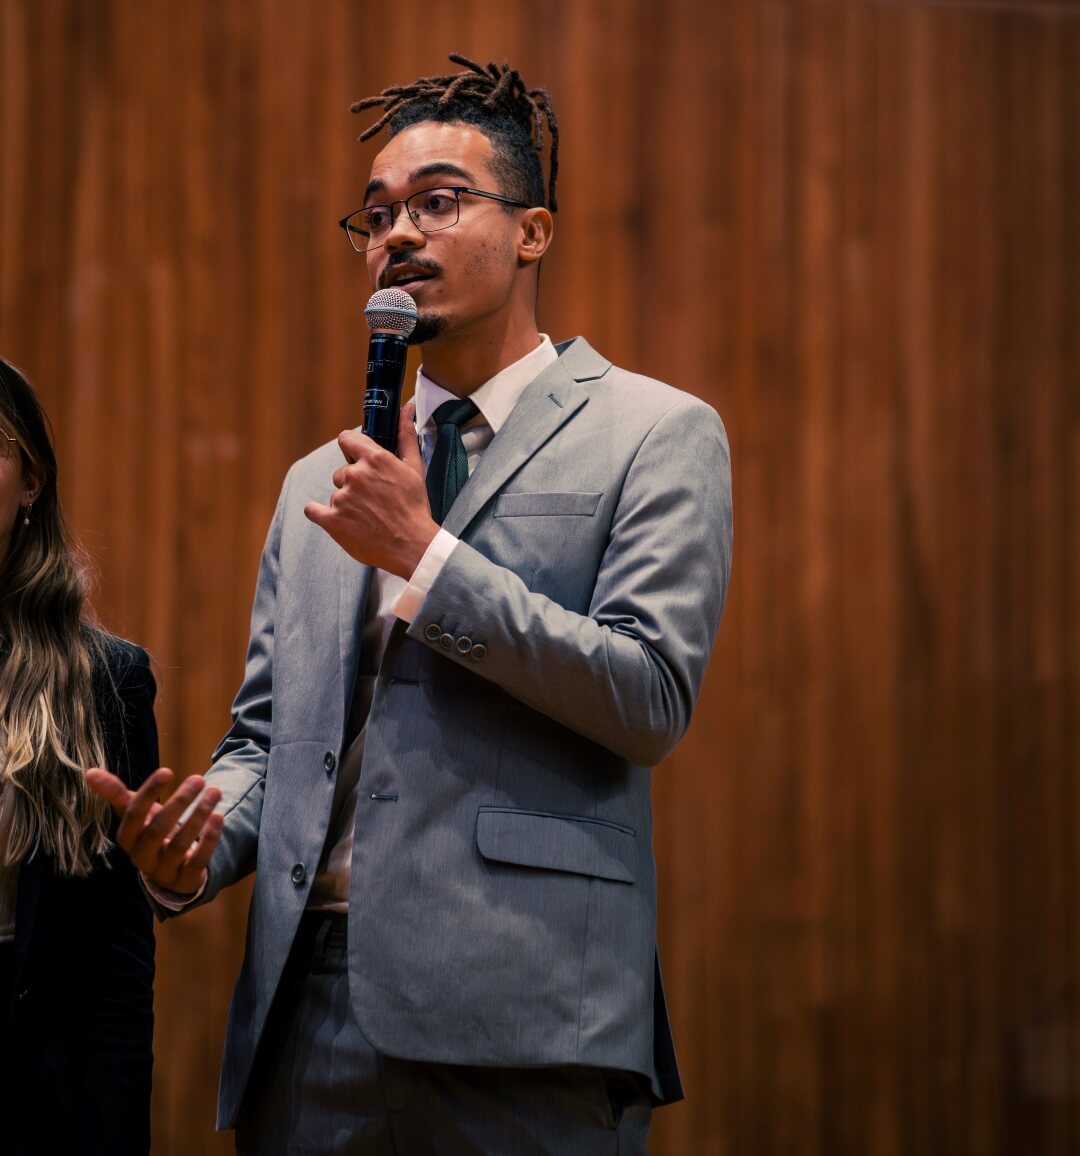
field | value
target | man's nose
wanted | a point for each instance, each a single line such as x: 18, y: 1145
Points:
x: 404, y: 233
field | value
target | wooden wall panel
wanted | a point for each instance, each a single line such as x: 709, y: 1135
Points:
x: 851, y: 227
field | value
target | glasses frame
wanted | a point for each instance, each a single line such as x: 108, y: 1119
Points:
x: 352, y: 231
x: 7, y: 442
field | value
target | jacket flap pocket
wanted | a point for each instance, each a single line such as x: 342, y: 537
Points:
x: 533, y: 505
x: 573, y: 843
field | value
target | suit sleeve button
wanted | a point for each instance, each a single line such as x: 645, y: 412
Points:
x: 478, y: 652
x: 432, y: 631
x: 329, y: 762
x: 299, y: 874
x: 446, y: 641
x: 463, y: 645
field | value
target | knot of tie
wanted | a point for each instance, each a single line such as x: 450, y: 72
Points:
x: 448, y: 470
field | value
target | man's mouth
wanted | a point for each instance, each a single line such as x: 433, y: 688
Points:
x: 406, y: 276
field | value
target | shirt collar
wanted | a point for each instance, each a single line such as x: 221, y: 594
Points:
x: 497, y: 396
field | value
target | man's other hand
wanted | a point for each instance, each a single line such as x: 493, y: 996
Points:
x: 170, y: 851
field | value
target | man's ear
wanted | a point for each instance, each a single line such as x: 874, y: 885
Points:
x: 537, y: 229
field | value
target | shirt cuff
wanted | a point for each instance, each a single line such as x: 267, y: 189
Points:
x: 170, y: 900
x: 410, y: 600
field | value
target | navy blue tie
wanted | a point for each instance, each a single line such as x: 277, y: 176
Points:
x: 448, y: 469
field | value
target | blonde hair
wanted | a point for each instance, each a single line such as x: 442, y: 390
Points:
x: 49, y: 727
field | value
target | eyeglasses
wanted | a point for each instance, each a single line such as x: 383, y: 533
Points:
x: 7, y: 445
x: 429, y: 210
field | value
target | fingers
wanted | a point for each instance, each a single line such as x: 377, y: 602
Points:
x: 178, y: 847
x: 191, y: 876
x: 110, y: 788
x: 319, y: 514
x: 354, y: 445
x: 359, y: 451
x: 140, y: 805
x: 149, y: 841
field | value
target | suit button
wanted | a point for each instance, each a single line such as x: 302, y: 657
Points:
x: 329, y: 762
x: 299, y: 874
x: 463, y: 645
x: 446, y: 641
x: 478, y: 652
x: 432, y: 631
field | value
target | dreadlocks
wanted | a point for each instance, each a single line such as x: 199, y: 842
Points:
x: 494, y: 100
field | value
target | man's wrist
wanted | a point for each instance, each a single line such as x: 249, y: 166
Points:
x: 169, y: 899
x: 423, y: 576
x: 413, y: 552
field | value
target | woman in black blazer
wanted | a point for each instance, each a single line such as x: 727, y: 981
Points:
x: 76, y: 932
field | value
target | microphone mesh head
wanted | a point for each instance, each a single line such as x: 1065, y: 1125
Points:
x: 391, y: 310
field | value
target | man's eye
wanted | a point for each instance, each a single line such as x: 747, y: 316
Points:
x: 438, y: 201
x: 377, y: 218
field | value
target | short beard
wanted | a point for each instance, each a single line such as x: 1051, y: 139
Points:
x: 428, y: 327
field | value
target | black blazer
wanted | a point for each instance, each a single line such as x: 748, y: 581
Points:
x: 78, y: 1024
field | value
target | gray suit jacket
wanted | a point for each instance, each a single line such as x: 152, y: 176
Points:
x: 503, y: 897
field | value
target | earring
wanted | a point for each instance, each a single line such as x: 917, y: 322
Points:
x: 26, y: 513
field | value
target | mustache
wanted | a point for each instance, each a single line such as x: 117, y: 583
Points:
x: 406, y: 259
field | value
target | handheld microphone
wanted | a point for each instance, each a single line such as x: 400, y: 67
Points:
x: 391, y: 315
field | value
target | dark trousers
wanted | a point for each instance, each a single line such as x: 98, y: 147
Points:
x: 318, y: 1086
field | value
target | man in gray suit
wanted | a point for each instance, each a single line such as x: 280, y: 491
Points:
x: 439, y: 760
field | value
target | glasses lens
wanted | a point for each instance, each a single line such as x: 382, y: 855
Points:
x: 433, y: 209
x: 357, y: 232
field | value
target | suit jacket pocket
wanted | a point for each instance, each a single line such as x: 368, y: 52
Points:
x: 575, y: 843
x: 534, y: 505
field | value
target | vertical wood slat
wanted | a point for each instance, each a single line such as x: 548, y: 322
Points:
x: 848, y: 226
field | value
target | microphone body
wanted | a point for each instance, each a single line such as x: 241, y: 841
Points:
x: 382, y: 395
x: 391, y: 315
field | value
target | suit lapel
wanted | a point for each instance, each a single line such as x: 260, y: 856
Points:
x: 545, y: 406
